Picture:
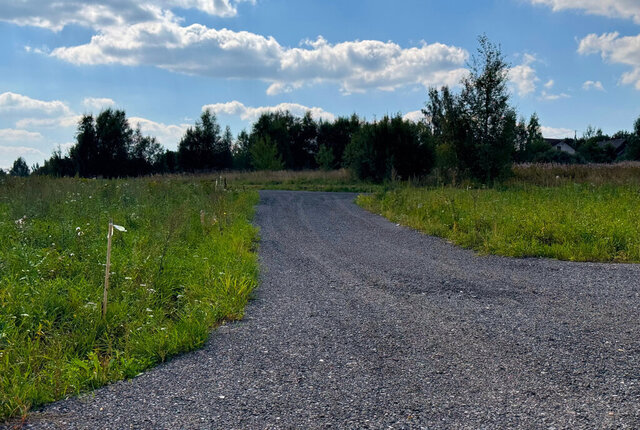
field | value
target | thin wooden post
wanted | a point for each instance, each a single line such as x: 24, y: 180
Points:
x: 107, y: 270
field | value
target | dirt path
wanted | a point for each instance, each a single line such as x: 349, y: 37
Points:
x: 360, y: 323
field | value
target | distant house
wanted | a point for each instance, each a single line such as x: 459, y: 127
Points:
x: 619, y: 145
x: 561, y: 145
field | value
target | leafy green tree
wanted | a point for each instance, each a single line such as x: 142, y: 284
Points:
x: 389, y: 148
x: 202, y: 147
x: 485, y: 99
x: 19, y: 168
x: 264, y: 155
x: 114, y: 139
x: 337, y: 135
x: 145, y: 153
x: 85, y: 152
x: 241, y: 152
x: 325, y: 158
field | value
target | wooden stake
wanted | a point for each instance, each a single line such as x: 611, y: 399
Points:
x: 107, y: 270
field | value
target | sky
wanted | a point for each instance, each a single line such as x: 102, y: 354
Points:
x: 573, y: 62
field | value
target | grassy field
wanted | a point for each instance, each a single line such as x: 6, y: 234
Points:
x: 306, y: 180
x: 578, y: 222
x: 185, y: 264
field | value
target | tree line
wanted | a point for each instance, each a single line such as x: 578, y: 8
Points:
x: 471, y: 132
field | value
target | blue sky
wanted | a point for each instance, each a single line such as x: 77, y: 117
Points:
x: 574, y: 62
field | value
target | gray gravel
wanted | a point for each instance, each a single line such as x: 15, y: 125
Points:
x: 360, y: 323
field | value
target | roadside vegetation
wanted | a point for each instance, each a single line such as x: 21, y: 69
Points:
x: 185, y: 263
x: 576, y: 213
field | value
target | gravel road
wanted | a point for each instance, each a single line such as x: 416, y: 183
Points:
x: 359, y: 323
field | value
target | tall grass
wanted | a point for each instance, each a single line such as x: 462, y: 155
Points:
x: 551, y: 174
x: 185, y: 264
x: 580, y: 222
x: 305, y: 180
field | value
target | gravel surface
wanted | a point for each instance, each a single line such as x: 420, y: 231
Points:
x: 359, y: 323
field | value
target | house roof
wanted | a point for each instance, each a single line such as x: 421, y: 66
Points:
x: 618, y: 144
x: 554, y: 142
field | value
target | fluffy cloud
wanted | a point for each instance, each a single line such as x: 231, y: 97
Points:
x: 8, y: 154
x: 14, y: 135
x: 524, y: 76
x: 551, y: 97
x: 415, y: 116
x: 55, y: 15
x: 199, y: 50
x: 97, y: 103
x: 167, y: 135
x: 593, y: 85
x: 616, y: 49
x: 629, y: 9
x: 12, y: 103
x: 556, y: 133
x: 247, y: 113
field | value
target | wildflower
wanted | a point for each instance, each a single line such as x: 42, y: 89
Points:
x: 151, y: 290
x: 143, y: 285
x: 149, y: 310
x: 128, y: 278
x: 20, y: 222
x: 24, y: 315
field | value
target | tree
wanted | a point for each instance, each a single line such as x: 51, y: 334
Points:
x: 19, y: 168
x: 202, y: 147
x: 145, y: 153
x: 85, y: 152
x: 242, y: 152
x: 113, y: 141
x: 325, y: 158
x: 485, y: 99
x: 264, y: 155
x: 389, y: 148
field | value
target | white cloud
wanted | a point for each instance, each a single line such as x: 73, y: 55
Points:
x: 12, y: 103
x: 167, y: 135
x: 524, y: 76
x: 556, y: 133
x: 195, y: 49
x: 628, y: 9
x: 549, y: 84
x: 593, y: 85
x: 97, y: 103
x: 415, y: 116
x: 14, y: 135
x: 55, y: 15
x: 551, y: 97
x: 615, y: 49
x: 8, y: 154
x: 63, y: 121
x: 247, y: 113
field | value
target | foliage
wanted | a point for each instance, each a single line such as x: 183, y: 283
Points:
x: 392, y: 148
x: 203, y: 148
x: 567, y: 222
x: 325, y: 158
x: 19, y: 168
x: 264, y: 155
x: 177, y: 272
x: 476, y: 127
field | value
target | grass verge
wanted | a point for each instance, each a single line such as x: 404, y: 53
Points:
x: 185, y: 264
x: 578, y: 222
x: 305, y: 180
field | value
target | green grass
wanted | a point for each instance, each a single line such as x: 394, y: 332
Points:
x: 306, y: 180
x: 578, y: 222
x: 173, y: 278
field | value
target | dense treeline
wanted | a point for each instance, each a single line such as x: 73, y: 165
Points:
x: 470, y: 133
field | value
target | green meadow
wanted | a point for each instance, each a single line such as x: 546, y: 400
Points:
x: 185, y: 264
x: 571, y: 221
